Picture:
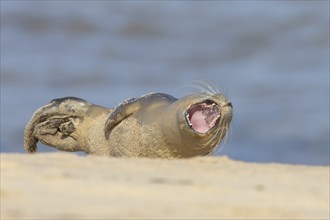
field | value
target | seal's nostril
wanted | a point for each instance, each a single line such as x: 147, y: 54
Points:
x: 229, y: 104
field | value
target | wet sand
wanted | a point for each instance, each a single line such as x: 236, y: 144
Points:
x: 67, y: 186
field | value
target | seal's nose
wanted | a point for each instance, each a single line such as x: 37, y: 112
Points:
x: 228, y: 104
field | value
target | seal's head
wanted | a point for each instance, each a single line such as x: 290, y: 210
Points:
x: 204, y: 120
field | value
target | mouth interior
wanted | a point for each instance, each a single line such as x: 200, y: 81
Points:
x: 203, y: 116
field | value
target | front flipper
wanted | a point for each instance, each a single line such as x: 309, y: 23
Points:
x: 129, y: 107
x: 55, y: 123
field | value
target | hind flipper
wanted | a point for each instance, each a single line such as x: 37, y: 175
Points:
x: 55, y: 123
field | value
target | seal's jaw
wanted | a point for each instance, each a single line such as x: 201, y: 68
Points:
x: 202, y: 117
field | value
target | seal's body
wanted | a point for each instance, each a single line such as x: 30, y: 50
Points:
x: 154, y: 125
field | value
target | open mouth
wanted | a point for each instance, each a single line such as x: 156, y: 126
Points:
x: 203, y: 116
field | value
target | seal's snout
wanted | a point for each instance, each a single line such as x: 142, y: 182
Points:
x: 203, y: 116
x: 228, y: 104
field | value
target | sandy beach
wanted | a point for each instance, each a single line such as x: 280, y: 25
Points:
x: 68, y: 186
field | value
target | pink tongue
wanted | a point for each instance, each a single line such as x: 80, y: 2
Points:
x: 198, y: 121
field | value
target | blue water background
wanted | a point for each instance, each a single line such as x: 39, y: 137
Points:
x: 271, y: 58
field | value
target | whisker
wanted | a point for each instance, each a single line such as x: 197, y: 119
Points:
x: 206, y: 144
x: 199, y: 88
x: 223, y: 135
x: 213, y: 138
x: 203, y: 85
x: 217, y: 135
x: 216, y: 145
x: 225, y: 140
x: 203, y: 146
x: 230, y: 134
x: 207, y: 86
x: 213, y: 86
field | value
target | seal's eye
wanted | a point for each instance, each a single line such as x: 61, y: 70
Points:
x: 203, y: 116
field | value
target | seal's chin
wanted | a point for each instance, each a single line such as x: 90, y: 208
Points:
x: 203, y: 116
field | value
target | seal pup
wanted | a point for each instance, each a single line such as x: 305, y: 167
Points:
x: 155, y: 125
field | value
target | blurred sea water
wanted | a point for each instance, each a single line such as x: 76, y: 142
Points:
x: 271, y: 58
